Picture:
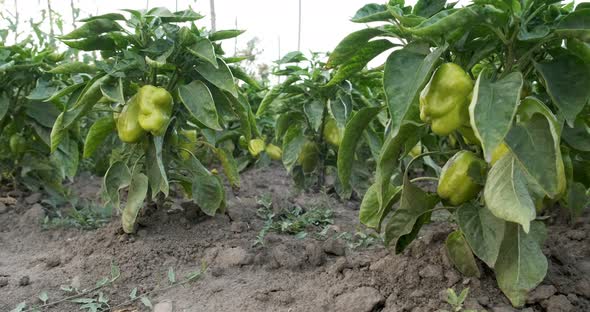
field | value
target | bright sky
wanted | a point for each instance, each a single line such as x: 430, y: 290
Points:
x: 324, y: 22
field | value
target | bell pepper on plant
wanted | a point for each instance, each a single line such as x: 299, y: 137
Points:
x: 155, y: 109
x: 309, y: 156
x: 274, y: 152
x: 128, y: 126
x: 445, y: 100
x: 256, y: 146
x: 416, y: 150
x: 456, y: 185
x: 332, y: 133
x: 17, y: 144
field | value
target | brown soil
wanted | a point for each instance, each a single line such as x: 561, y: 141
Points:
x: 287, y: 274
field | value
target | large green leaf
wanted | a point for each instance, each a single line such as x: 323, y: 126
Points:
x: 220, y: 77
x: 137, y: 192
x: 352, y: 134
x: 407, y: 135
x: 359, y: 60
x: 461, y: 255
x: 372, y: 12
x: 225, y: 34
x: 534, y: 145
x: 203, y: 49
x: 156, y: 171
x: 97, y: 133
x: 493, y: 107
x: 427, y: 8
x: 506, y: 194
x: 230, y: 167
x: 578, y: 136
x: 198, y: 100
x: 314, y: 111
x: 208, y: 193
x: 351, y: 44
x: 293, y: 141
x: 483, y: 231
x: 567, y: 79
x: 521, y: 265
x: 576, y: 25
x: 93, y: 28
x: 371, y: 213
x: 442, y: 23
x: 413, y: 212
x: 406, y: 72
x: 73, y: 68
x: 67, y: 157
x: 116, y: 178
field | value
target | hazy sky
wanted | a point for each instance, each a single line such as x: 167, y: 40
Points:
x: 324, y: 22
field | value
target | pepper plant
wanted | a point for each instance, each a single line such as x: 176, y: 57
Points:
x: 311, y: 117
x: 507, y: 83
x: 165, y: 90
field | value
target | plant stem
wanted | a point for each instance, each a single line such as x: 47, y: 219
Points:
x: 424, y: 179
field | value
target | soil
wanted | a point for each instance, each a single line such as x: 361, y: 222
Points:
x: 286, y: 274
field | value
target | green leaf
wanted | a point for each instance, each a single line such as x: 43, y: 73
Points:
x: 406, y: 72
x: 314, y: 111
x: 483, y: 231
x: 493, y: 107
x: 4, y: 104
x: 93, y: 28
x: 73, y: 68
x: 230, y: 167
x: 137, y: 193
x: 198, y: 100
x: 115, y: 270
x: 413, y: 212
x: 116, y: 178
x: 239, y: 73
x: 358, y: 61
x: 351, y: 45
x: 220, y: 77
x: 521, y: 265
x: 427, y: 8
x: 577, y: 199
x: 203, y: 49
x: 460, y: 254
x: 575, y: 25
x: 567, y: 79
x: 225, y: 34
x: 443, y: 23
x: 352, y: 135
x: 372, y: 13
x: 66, y: 157
x: 407, y: 135
x: 101, y: 43
x: 97, y: 133
x: 274, y: 93
x: 146, y: 302
x: 156, y: 172
x: 208, y: 193
x: 293, y: 141
x: 371, y: 213
x: 580, y: 48
x: 535, y: 147
x: 19, y: 307
x: 506, y: 193
x: 43, y: 297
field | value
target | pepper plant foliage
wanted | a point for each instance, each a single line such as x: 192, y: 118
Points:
x: 311, y: 117
x: 163, y: 87
x: 513, y: 91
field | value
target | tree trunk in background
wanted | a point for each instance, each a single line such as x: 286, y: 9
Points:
x: 51, y: 33
x: 212, y: 5
x: 299, y: 30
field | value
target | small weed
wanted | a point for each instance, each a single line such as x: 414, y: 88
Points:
x: 79, y: 214
x: 292, y: 220
x: 457, y: 301
x: 360, y: 239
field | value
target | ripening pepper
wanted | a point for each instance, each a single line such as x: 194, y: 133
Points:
x: 187, y: 141
x: 332, y: 133
x: 155, y: 109
x: 128, y: 126
x: 256, y: 146
x: 444, y: 102
x: 17, y: 144
x: 243, y: 142
x: 416, y: 150
x: 274, y: 152
x: 455, y: 183
x: 309, y: 156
